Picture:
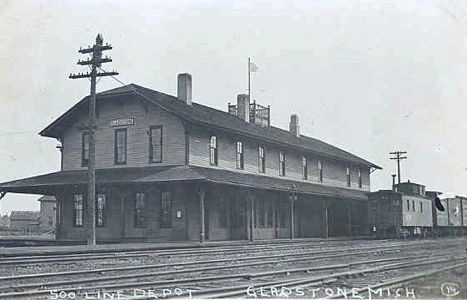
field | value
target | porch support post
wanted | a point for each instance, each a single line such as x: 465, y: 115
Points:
x: 252, y: 215
x: 276, y: 216
x: 202, y: 194
x: 349, y: 216
x: 326, y: 220
x: 58, y: 207
x: 246, y: 208
x: 122, y: 216
x: 292, y: 221
x: 293, y: 196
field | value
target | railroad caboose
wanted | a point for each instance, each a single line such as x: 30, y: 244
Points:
x: 404, y: 211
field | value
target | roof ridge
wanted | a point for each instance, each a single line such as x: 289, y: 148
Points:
x: 284, y: 131
x: 209, y: 116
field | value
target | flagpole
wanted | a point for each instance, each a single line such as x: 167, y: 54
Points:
x: 249, y: 86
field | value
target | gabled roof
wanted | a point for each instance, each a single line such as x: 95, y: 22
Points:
x: 48, y: 183
x: 207, y: 116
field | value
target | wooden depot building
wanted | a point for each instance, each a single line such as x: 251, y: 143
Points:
x: 172, y: 169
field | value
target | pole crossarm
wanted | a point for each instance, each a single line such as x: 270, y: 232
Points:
x: 398, y: 156
x: 92, y: 61
x: 96, y: 47
x: 89, y: 75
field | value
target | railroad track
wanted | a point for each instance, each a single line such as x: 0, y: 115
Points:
x: 322, y: 286
x: 24, y: 269
x: 164, y: 283
x: 216, y: 275
x: 5, y: 261
x: 128, y: 253
x: 225, y: 258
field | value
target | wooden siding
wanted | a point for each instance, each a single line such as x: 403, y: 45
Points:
x: 120, y: 224
x: 417, y: 217
x: 176, y: 144
x: 452, y: 214
x: 385, y: 210
x: 173, y: 147
x: 334, y: 172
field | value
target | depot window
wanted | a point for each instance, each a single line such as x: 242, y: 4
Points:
x: 78, y: 210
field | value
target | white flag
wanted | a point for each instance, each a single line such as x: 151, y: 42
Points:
x: 253, y: 67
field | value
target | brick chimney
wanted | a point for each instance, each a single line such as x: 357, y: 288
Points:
x: 184, y: 88
x: 294, y: 127
x: 243, y: 107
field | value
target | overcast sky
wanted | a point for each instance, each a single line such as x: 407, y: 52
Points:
x: 367, y: 76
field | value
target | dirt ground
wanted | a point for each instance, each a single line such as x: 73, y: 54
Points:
x: 449, y: 285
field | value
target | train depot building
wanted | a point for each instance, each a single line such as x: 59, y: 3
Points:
x: 172, y: 169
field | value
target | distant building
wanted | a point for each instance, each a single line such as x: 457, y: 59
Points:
x: 4, y: 222
x: 47, y: 213
x: 24, y: 220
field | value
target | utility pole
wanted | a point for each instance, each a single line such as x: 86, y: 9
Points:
x: 94, y: 62
x: 398, y: 155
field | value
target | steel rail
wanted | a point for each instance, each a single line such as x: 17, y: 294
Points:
x: 172, y: 251
x: 211, y: 261
x: 171, y: 272
x: 239, y: 291
x: 196, y: 251
x: 403, y: 279
x: 50, y: 285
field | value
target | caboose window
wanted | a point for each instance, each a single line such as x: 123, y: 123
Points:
x: 413, y: 205
x: 408, y: 205
x: 421, y: 206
